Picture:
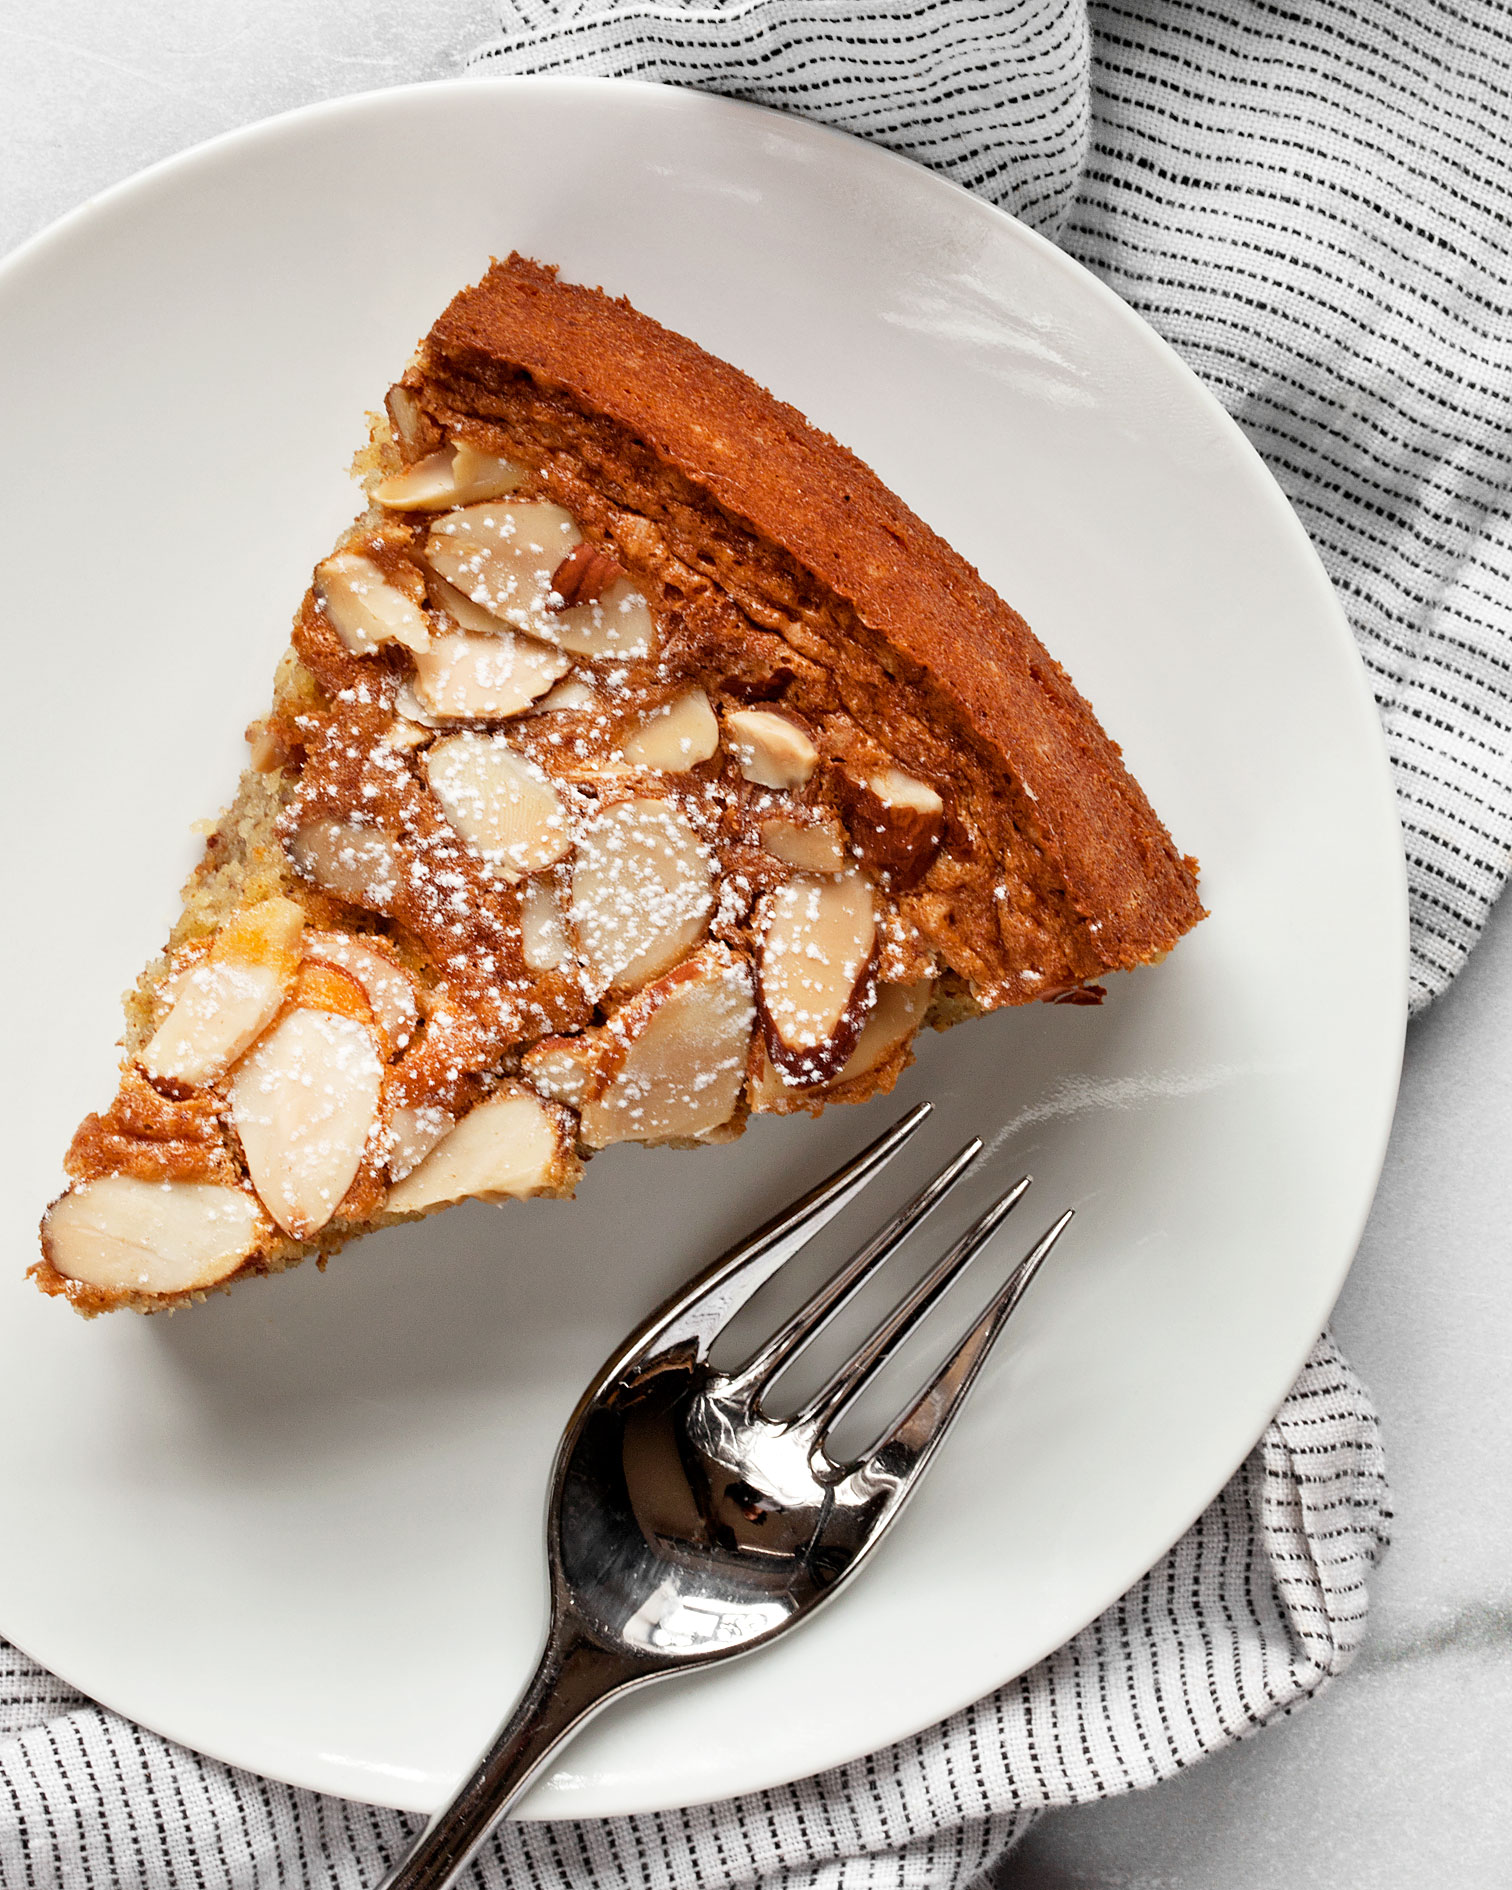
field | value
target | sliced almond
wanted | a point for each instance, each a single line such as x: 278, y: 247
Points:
x: 895, y: 819
x: 503, y: 806
x: 129, y: 1236
x: 358, y: 864
x: 304, y: 1101
x: 544, y: 941
x: 895, y: 1018
x: 771, y: 748
x: 503, y: 559
x: 410, y: 708
x: 388, y: 987
x: 412, y: 1134
x: 616, y: 628
x: 571, y: 694
x: 642, y: 891
x: 412, y: 426
x: 405, y: 733
x: 679, y: 1058
x: 229, y: 997
x: 456, y: 474
x: 512, y: 1144
x: 675, y: 737
x: 561, y: 1068
x: 480, y: 679
x: 364, y: 609
x: 816, y: 985
x: 813, y: 847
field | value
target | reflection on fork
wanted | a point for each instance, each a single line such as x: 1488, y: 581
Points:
x: 686, y: 1525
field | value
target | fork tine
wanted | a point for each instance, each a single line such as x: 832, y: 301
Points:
x: 701, y: 1310
x: 912, y: 1439
x: 757, y: 1374
x: 849, y: 1380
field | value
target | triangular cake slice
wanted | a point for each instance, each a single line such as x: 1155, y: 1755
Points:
x: 640, y: 763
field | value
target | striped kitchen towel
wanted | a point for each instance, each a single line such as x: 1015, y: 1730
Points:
x: 1312, y: 205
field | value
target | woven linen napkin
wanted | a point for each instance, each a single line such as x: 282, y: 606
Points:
x: 1312, y: 206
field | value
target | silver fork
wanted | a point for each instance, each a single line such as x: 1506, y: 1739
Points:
x: 685, y: 1526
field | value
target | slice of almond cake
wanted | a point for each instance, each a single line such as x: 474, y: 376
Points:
x: 640, y: 763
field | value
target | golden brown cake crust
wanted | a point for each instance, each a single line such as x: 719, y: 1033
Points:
x: 941, y: 632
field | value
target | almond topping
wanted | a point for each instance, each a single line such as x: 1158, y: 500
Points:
x: 503, y: 806
x: 364, y: 609
x: 130, y: 1236
x: 896, y: 1016
x: 388, y: 987
x: 412, y: 1134
x: 571, y: 694
x: 678, y: 1055
x: 773, y: 751
x: 511, y: 1144
x: 817, y: 847
x: 642, y: 894
x: 895, y: 819
x: 563, y: 1067
x: 358, y: 864
x: 304, y: 1101
x: 222, y: 1003
x: 582, y: 577
x: 675, y: 737
x: 816, y: 984
x: 457, y: 474
x: 503, y: 558
x: 543, y: 931
x: 412, y: 426
x: 485, y: 678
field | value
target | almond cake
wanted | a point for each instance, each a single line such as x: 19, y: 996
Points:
x: 640, y: 763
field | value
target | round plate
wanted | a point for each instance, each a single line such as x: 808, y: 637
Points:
x: 299, y: 1527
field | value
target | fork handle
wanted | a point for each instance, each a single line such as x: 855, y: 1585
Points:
x: 574, y: 1679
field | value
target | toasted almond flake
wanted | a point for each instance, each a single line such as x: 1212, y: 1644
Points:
x: 544, y: 942
x: 412, y: 1134
x: 678, y: 1055
x: 304, y: 1102
x: 561, y: 1068
x: 412, y: 426
x: 157, y: 1237
x: 676, y: 737
x: 457, y: 474
x: 470, y: 678
x: 364, y: 609
x: 642, y: 891
x: 771, y: 748
x: 812, y: 846
x: 574, y: 693
x: 896, y: 820
x: 512, y: 1144
x: 222, y: 1003
x: 502, y: 559
x: 388, y: 987
x: 358, y: 864
x: 895, y: 1018
x: 503, y: 805
x: 816, y: 972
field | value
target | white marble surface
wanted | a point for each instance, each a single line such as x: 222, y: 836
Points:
x: 1403, y: 1772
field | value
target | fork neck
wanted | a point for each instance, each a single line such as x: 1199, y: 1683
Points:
x: 574, y: 1679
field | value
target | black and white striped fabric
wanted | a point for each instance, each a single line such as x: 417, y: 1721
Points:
x: 1312, y: 204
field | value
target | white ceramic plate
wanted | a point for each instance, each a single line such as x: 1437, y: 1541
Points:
x: 299, y: 1528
